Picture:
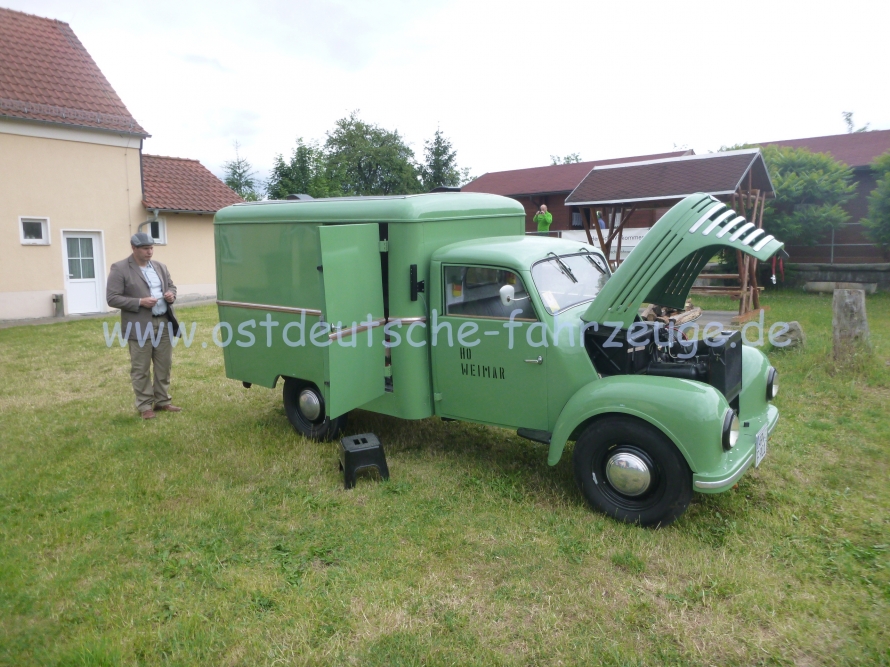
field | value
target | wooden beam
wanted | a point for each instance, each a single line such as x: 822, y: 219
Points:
x: 755, y: 292
x: 623, y: 221
x: 610, y: 225
x: 719, y: 276
x: 753, y: 217
x: 741, y: 259
x: 762, y: 206
x: 616, y: 231
x: 618, y: 247
x: 620, y: 231
x: 585, y: 216
x: 599, y: 232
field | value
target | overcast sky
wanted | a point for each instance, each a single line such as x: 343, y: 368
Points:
x: 510, y: 83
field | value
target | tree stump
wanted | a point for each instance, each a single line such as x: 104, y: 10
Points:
x: 849, y: 323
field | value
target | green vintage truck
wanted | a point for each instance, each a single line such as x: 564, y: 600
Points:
x: 440, y: 304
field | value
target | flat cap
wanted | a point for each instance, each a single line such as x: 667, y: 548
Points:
x: 141, y: 239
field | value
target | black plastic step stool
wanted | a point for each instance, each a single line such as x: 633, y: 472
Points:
x: 358, y: 452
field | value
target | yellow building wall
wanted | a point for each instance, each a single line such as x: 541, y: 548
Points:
x: 78, y: 185
x: 189, y: 253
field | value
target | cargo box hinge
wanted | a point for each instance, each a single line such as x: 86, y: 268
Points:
x: 384, y: 245
x: 415, y: 285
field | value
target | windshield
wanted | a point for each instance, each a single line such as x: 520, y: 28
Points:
x: 568, y: 280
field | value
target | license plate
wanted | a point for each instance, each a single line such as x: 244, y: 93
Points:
x: 761, y: 444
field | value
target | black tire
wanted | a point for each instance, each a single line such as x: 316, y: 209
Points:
x: 669, y: 489
x: 321, y: 427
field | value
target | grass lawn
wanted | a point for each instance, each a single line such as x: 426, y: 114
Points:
x: 217, y: 536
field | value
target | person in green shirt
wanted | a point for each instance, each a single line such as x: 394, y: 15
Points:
x: 543, y: 218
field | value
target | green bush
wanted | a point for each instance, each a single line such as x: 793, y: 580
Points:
x: 877, y: 222
x: 811, y: 189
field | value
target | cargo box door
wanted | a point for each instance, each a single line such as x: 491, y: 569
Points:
x: 353, y: 298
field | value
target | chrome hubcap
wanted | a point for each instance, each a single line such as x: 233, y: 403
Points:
x: 310, y: 406
x: 628, y: 474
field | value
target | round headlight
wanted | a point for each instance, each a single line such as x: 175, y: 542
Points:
x: 730, y: 429
x: 772, y: 384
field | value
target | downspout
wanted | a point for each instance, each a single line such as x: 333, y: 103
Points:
x: 154, y: 218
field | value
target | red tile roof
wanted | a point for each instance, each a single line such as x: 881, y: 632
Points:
x: 550, y: 179
x: 858, y: 149
x: 47, y: 75
x: 671, y: 179
x: 178, y: 184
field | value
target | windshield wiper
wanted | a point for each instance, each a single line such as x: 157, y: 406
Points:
x: 565, y: 269
x: 590, y: 258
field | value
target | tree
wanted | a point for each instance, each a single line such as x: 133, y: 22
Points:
x: 877, y: 222
x: 848, y: 119
x: 240, y: 176
x: 811, y: 189
x: 364, y: 159
x: 571, y: 158
x: 465, y: 176
x: 439, y: 166
x: 305, y: 173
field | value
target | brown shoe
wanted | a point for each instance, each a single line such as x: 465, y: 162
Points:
x: 148, y: 414
x: 168, y: 408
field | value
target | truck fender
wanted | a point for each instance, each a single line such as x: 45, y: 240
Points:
x: 690, y: 413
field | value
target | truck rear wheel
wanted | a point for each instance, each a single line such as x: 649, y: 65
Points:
x: 305, y: 409
x: 631, y: 471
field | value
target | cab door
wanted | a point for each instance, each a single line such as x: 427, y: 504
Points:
x: 483, y: 375
x: 353, y: 295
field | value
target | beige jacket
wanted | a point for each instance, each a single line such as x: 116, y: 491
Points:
x: 126, y: 285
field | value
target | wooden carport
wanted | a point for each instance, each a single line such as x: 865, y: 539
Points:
x: 738, y: 178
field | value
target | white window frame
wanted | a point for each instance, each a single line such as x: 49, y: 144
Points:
x: 161, y: 239
x: 44, y: 221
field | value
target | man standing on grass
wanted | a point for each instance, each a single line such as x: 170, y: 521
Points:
x: 144, y: 292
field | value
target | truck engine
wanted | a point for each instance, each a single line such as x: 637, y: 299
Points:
x: 651, y: 348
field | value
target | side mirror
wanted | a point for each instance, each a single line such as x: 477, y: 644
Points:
x: 507, y: 293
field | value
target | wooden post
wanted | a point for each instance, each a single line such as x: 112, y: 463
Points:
x: 849, y: 323
x: 618, y: 248
x: 585, y: 218
x: 741, y: 259
x: 755, y: 293
x: 599, y: 233
x: 610, y: 225
x: 738, y: 206
x: 619, y: 230
x: 757, y: 201
x: 617, y: 221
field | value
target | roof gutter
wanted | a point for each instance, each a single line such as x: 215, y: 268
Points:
x: 176, y: 210
x: 642, y: 199
x: 107, y: 130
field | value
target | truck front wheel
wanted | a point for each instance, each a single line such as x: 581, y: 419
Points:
x: 304, y: 406
x: 630, y: 470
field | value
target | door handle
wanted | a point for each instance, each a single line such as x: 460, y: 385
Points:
x: 539, y: 360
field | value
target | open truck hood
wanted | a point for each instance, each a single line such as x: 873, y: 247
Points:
x: 662, y: 268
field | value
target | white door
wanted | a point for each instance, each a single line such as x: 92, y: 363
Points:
x: 82, y: 264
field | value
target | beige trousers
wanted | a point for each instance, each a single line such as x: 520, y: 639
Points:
x: 148, y: 392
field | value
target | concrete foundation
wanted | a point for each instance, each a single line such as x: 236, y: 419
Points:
x: 878, y: 274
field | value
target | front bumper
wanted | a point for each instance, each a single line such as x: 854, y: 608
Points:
x: 739, y: 459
